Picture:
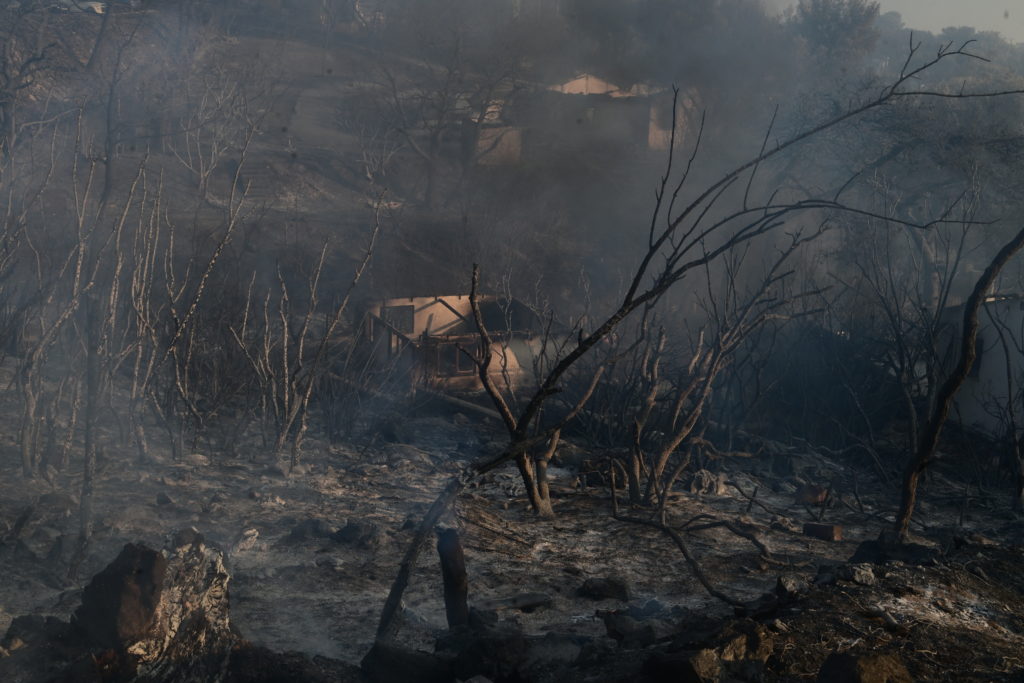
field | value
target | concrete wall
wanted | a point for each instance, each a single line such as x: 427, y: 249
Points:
x: 436, y: 332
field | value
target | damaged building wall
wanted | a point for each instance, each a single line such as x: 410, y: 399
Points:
x: 427, y: 338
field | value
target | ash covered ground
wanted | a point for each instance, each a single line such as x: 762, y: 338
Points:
x: 312, y: 554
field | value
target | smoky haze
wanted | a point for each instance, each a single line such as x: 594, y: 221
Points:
x: 243, y: 234
x: 1000, y: 16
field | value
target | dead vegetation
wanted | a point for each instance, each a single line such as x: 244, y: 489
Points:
x: 708, y: 456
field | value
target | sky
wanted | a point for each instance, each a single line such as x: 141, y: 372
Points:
x: 1004, y: 16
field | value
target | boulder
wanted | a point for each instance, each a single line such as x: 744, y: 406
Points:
x: 119, y: 604
x: 191, y: 634
x: 154, y: 616
x: 147, y: 616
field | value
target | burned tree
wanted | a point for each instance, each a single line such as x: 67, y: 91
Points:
x: 27, y: 47
x: 927, y: 439
x: 686, y: 234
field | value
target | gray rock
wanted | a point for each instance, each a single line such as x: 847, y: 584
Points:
x: 167, y: 612
x: 861, y: 574
x: 246, y: 541
x: 790, y: 587
x: 119, y: 604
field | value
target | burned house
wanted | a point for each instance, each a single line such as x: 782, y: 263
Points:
x: 587, y: 112
x: 431, y: 340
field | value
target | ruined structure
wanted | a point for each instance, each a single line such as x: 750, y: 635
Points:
x: 432, y: 340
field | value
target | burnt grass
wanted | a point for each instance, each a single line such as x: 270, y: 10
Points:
x: 313, y: 553
x: 976, y: 591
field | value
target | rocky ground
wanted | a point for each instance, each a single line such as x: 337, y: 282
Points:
x: 311, y: 556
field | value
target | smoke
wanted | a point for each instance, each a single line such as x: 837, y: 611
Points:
x: 210, y: 183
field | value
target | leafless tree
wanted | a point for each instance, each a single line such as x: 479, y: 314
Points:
x: 289, y: 350
x: 686, y: 233
x: 224, y: 107
x: 1011, y: 397
x: 927, y: 438
x: 26, y: 48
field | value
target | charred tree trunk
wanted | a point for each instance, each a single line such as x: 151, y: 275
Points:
x: 1018, y: 497
x: 928, y: 438
x: 29, y: 425
x: 453, y: 574
x: 543, y: 507
x: 528, y: 473
x: 92, y: 351
x: 633, y: 473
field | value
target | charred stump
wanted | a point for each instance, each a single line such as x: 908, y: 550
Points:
x: 453, y: 574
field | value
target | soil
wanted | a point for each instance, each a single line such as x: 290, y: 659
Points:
x: 953, y: 613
